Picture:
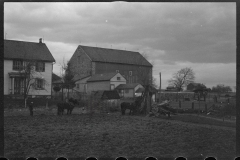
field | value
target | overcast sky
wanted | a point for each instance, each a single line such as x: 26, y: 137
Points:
x: 172, y: 35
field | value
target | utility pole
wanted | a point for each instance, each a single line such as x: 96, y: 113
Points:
x: 160, y: 86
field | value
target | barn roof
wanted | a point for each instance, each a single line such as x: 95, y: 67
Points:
x: 27, y: 51
x: 115, y: 56
x: 101, y: 77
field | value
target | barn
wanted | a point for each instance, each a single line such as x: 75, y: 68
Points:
x: 88, y: 61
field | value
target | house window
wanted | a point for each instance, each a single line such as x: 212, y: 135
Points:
x: 17, y: 65
x: 130, y: 73
x: 40, y: 67
x: 118, y: 78
x: 77, y: 86
x: 39, y: 83
x: 117, y: 71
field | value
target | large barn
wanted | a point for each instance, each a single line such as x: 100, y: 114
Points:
x: 88, y: 61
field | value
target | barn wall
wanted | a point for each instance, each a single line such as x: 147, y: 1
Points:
x: 80, y: 63
x: 124, y: 69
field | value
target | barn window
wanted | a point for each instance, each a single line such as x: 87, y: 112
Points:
x: 130, y: 73
x: 118, y: 78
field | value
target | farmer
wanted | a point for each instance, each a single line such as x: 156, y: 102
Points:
x: 31, y: 108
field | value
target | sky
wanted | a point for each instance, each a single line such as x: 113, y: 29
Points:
x: 172, y: 36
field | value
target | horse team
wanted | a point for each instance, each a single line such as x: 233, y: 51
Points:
x: 72, y: 102
x: 67, y: 105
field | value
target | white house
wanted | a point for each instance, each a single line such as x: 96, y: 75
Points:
x: 16, y: 54
x: 129, y: 90
x: 107, y: 81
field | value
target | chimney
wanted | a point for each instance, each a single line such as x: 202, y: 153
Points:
x: 40, y: 40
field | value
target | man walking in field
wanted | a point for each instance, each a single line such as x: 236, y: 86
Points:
x: 31, y: 108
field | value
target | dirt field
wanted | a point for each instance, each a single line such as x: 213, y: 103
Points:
x: 111, y: 135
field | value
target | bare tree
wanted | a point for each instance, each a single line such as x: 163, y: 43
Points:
x: 67, y: 76
x: 29, y: 76
x: 182, y: 78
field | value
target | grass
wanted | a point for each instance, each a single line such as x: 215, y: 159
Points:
x: 111, y: 135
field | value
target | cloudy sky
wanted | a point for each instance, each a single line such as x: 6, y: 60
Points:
x: 172, y: 35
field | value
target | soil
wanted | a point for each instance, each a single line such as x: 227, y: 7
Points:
x: 111, y: 135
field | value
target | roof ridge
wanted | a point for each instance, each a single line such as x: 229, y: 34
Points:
x: 109, y: 48
x: 23, y: 41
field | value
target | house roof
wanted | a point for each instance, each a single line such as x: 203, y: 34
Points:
x: 55, y: 77
x: 110, y: 95
x: 101, y: 77
x: 27, y: 50
x: 115, y: 56
x: 79, y: 77
x: 140, y: 90
x: 127, y: 86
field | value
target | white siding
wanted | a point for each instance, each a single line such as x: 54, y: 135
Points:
x: 7, y: 68
x: 129, y: 94
x: 47, y: 76
x: 117, y: 82
x: 81, y: 83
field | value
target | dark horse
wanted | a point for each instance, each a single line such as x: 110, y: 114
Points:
x: 67, y: 105
x: 128, y: 105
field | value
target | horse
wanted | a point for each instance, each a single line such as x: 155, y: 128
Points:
x: 128, y: 105
x: 67, y: 105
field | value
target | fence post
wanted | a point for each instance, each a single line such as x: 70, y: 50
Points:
x: 192, y: 105
x: 206, y: 107
x: 180, y: 104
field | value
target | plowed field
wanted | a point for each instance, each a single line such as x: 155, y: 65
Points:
x: 112, y: 135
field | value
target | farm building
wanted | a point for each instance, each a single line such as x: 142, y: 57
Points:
x: 17, y: 54
x: 107, y: 81
x: 89, y: 61
x: 129, y: 90
x: 105, y: 99
x: 81, y: 83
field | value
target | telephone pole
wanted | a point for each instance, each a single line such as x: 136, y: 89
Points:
x: 160, y: 86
